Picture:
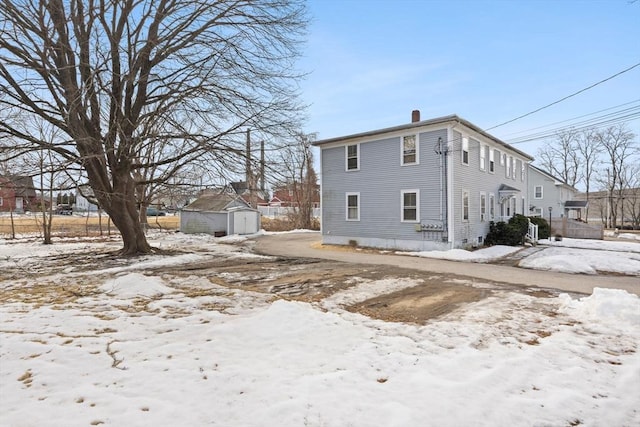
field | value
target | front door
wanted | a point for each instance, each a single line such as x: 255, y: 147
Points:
x: 19, y: 204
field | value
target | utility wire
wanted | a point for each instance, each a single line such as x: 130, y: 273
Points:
x: 566, y: 97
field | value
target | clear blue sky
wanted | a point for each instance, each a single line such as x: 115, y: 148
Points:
x: 373, y: 61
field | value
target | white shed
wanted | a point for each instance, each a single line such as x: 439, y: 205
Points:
x: 220, y: 215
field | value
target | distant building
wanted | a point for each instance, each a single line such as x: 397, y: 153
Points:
x: 17, y: 194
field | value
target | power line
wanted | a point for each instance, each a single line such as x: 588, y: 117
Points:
x: 566, y: 97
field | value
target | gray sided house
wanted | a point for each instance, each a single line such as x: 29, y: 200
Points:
x: 426, y: 185
x: 220, y: 215
x: 551, y: 195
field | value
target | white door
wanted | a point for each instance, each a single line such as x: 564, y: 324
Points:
x: 19, y: 204
x: 244, y: 223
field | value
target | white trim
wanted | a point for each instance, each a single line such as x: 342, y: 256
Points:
x: 417, y: 150
x: 535, y: 192
x: 464, y: 149
x: 483, y: 205
x: 465, y: 193
x: 492, y: 160
x: 402, y: 207
x: 346, y: 157
x: 483, y: 157
x: 346, y: 206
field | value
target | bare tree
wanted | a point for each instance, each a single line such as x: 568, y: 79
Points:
x: 618, y: 147
x: 561, y: 158
x: 119, y: 77
x: 587, y: 149
x: 297, y: 176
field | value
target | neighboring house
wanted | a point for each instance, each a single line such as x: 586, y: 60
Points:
x: 624, y: 203
x: 550, y: 196
x: 219, y: 214
x: 432, y: 184
x: 82, y: 203
x: 284, y: 196
x: 253, y: 196
x: 17, y: 194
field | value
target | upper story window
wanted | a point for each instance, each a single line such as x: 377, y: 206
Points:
x: 513, y: 168
x: 508, y: 168
x: 353, y: 207
x: 502, y: 158
x: 353, y: 157
x: 465, y: 150
x: 409, y: 150
x: 483, y: 157
x: 522, y: 171
x: 410, y: 205
x: 537, y: 192
x: 492, y: 166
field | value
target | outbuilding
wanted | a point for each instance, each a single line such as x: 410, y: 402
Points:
x: 220, y: 215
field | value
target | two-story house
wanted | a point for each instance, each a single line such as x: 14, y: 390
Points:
x: 431, y: 184
x: 550, y: 196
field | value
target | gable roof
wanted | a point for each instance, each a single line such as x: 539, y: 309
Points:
x: 216, y: 203
x: 439, y: 120
x: 548, y: 175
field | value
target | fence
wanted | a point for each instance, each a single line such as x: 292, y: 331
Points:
x: 280, y: 212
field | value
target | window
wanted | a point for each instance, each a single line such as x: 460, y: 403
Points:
x: 492, y: 206
x: 1, y: 201
x: 409, y: 150
x: 410, y: 203
x: 353, y: 157
x: 537, y: 192
x: 513, y: 167
x: 353, y: 206
x: 502, y: 156
x: 465, y: 150
x: 465, y: 205
x: 483, y: 157
x: 522, y: 171
x: 491, y: 160
x: 537, y: 212
x: 483, y: 207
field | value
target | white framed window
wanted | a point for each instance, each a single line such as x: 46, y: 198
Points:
x: 492, y: 206
x: 483, y: 207
x: 538, y: 192
x: 465, y: 205
x: 1, y: 201
x: 537, y: 212
x: 410, y: 206
x: 501, y: 156
x: 483, y: 157
x: 522, y: 172
x: 353, y: 157
x: 353, y: 206
x: 465, y: 150
x: 492, y: 165
x: 410, y: 150
x: 513, y: 167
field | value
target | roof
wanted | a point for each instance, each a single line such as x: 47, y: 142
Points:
x: 575, y: 204
x: 559, y: 181
x: 504, y: 188
x: 429, y: 122
x: 215, y: 203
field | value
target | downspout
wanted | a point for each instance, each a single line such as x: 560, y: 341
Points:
x: 448, y: 171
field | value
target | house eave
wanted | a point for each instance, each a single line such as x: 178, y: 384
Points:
x: 430, y: 122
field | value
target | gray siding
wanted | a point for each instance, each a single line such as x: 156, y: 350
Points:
x: 473, y: 179
x: 380, y: 181
x: 554, y: 194
x: 192, y: 222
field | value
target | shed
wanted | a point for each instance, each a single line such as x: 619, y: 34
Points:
x: 220, y: 215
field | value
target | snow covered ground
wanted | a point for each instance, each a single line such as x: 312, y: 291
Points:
x: 152, y: 349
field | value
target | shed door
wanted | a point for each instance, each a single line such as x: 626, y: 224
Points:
x: 244, y: 223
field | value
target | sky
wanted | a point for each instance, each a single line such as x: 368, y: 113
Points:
x: 371, y: 62
x: 136, y: 345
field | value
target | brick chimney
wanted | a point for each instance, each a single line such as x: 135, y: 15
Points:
x: 415, y: 116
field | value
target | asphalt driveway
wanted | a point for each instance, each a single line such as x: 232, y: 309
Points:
x: 307, y: 245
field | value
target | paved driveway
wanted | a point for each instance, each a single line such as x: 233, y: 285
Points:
x: 306, y: 245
